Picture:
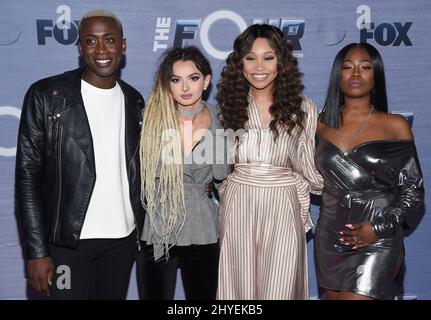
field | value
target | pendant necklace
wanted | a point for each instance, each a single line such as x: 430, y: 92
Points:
x: 355, y: 135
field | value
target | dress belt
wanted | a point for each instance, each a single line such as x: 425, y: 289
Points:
x: 264, y: 175
x: 270, y: 176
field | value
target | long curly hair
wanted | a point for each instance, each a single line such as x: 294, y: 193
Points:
x: 233, y: 87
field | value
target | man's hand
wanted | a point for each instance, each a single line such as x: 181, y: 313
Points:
x: 39, y: 274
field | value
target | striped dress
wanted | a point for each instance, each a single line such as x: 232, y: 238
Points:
x: 264, y: 212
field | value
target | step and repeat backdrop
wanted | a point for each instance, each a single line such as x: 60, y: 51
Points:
x: 37, y: 39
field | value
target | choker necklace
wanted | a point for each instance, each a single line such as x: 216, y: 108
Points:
x: 355, y: 135
x: 190, y: 113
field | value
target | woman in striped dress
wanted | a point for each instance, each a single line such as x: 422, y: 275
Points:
x: 264, y: 212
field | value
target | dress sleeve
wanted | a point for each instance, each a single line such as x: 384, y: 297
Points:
x: 303, y: 160
x: 222, y: 163
x: 411, y: 196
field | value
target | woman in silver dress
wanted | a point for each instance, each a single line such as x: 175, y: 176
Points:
x: 178, y: 158
x: 372, y: 181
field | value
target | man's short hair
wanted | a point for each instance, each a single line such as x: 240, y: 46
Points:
x: 100, y: 13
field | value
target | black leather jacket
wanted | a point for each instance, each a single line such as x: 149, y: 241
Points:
x: 55, y: 168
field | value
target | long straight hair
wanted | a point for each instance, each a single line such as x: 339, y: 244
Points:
x: 334, y: 102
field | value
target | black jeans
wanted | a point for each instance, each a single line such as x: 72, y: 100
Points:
x: 97, y: 269
x: 199, y: 272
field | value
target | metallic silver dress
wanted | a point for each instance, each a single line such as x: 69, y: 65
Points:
x: 379, y: 181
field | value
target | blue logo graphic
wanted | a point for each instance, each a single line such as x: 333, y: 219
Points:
x: 185, y: 30
x: 387, y: 34
x: 63, y: 30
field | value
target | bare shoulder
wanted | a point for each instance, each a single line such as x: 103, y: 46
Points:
x: 396, y: 125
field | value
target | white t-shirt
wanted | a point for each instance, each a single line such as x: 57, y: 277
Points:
x: 109, y: 213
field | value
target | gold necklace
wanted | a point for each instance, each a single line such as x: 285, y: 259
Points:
x: 355, y: 135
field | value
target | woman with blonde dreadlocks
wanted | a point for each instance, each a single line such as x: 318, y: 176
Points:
x: 178, y: 158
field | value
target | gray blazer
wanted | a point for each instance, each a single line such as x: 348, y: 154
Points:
x: 201, y: 221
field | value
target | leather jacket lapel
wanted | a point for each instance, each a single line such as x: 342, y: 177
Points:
x: 73, y: 116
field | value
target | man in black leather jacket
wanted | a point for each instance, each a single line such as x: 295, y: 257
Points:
x: 77, y: 172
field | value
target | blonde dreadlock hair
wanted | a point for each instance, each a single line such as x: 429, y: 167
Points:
x: 160, y: 119
x: 164, y: 203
